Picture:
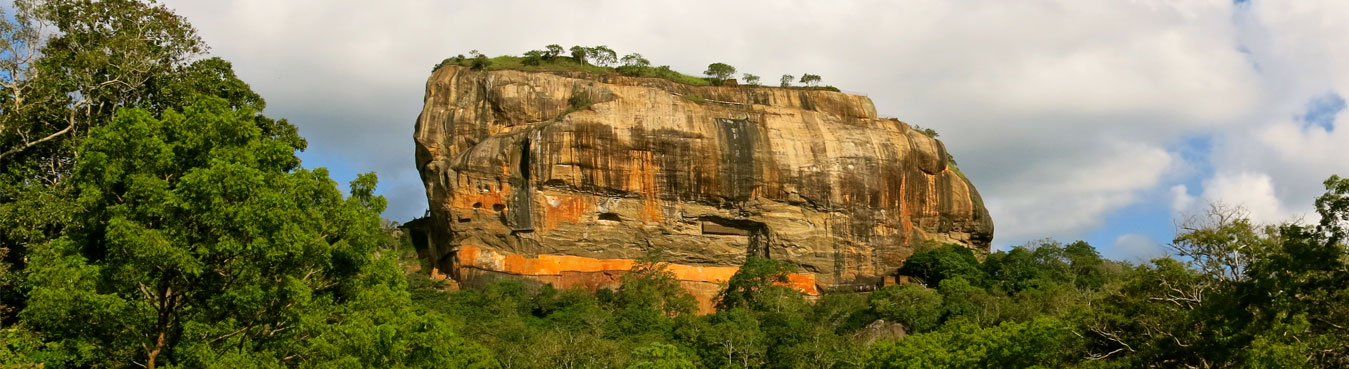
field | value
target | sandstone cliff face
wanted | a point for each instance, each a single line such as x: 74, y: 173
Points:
x: 567, y: 179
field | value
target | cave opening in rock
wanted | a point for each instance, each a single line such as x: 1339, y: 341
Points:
x: 610, y: 217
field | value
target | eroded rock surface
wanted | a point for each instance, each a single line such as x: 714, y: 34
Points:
x: 566, y: 179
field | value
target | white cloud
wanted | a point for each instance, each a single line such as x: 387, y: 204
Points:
x: 1067, y: 201
x: 1275, y: 164
x: 1251, y: 191
x: 1061, y: 111
x: 1181, y: 200
x: 1136, y: 248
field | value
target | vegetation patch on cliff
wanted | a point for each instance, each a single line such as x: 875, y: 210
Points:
x: 600, y: 60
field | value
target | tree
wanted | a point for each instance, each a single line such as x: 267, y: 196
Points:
x: 962, y: 300
x: 926, y: 131
x: 65, y: 67
x: 1035, y: 264
x: 650, y: 285
x: 1245, y: 295
x: 810, y: 79
x: 552, y: 51
x: 602, y: 55
x: 102, y: 59
x: 533, y: 57
x: 751, y: 79
x: 945, y: 261
x: 719, y: 72
x: 1040, y: 343
x: 1086, y: 265
x: 1221, y: 243
x: 479, y: 61
x: 660, y: 356
x: 915, y: 306
x: 196, y: 238
x: 635, y: 60
x: 580, y: 53
x: 786, y: 80
x: 755, y: 285
x: 731, y: 339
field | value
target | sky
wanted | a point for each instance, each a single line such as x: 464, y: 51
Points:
x: 1106, y: 121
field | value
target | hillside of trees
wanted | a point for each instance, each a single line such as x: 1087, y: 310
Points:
x: 152, y: 215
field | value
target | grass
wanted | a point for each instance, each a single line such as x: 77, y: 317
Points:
x: 694, y: 98
x: 662, y: 72
x: 569, y: 64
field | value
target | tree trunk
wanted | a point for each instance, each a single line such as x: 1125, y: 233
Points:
x: 159, y: 346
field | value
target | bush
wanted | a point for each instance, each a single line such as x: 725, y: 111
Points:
x: 533, y: 57
x: 579, y: 100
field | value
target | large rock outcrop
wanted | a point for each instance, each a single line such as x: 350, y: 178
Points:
x: 567, y: 178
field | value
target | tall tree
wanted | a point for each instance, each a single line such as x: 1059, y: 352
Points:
x: 533, y: 57
x: 197, y: 237
x: 602, y: 55
x: 104, y: 56
x: 810, y: 79
x: 719, y: 72
x: 786, y: 80
x: 756, y: 285
x: 69, y: 66
x: 552, y: 51
x: 917, y: 307
x: 751, y: 79
x: 660, y: 356
x: 635, y: 60
x: 580, y: 53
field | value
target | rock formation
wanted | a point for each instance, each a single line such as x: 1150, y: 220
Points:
x: 566, y: 178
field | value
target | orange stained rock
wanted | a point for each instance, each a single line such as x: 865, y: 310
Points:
x: 468, y: 196
x: 802, y: 282
x: 906, y: 219
x: 564, y: 208
x: 695, y: 273
x: 545, y: 265
x: 643, y: 180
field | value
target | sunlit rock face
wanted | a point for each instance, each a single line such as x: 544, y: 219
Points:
x: 566, y: 179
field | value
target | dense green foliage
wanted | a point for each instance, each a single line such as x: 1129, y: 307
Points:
x: 1044, y: 304
x: 1245, y: 296
x: 810, y: 79
x: 152, y: 216
x: 750, y: 79
x: 719, y: 72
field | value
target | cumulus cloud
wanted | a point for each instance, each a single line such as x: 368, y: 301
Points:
x: 1135, y: 247
x: 1251, y: 191
x: 1274, y: 166
x: 1062, y: 112
x: 1181, y: 200
x: 1049, y: 199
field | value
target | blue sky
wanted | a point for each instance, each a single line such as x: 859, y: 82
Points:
x: 1102, y: 121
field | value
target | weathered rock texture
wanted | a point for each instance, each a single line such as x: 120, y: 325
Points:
x: 567, y: 179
